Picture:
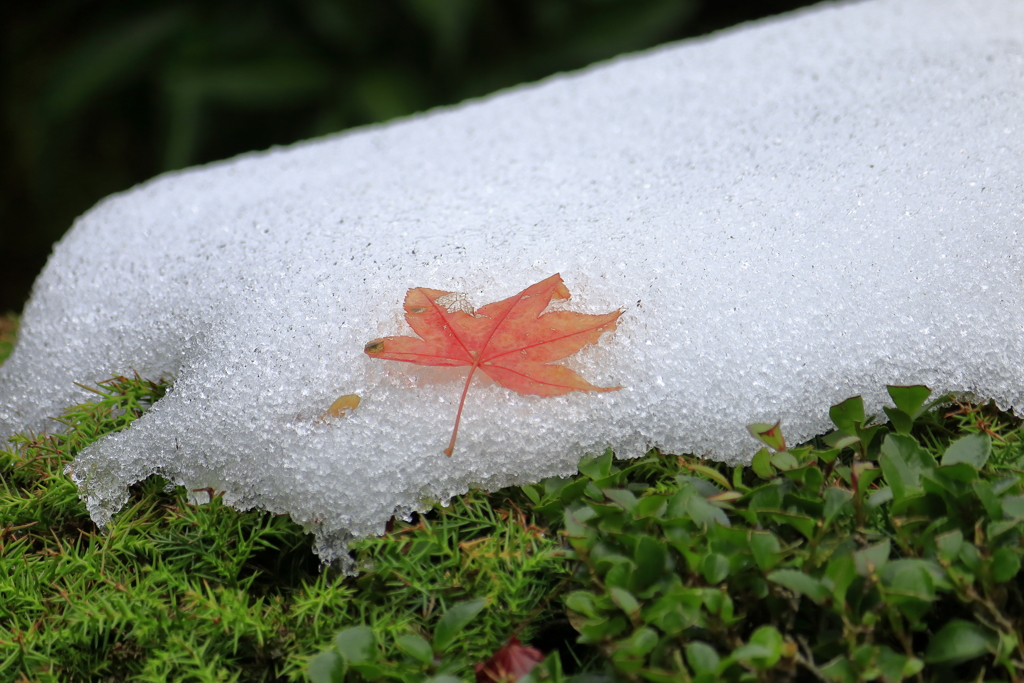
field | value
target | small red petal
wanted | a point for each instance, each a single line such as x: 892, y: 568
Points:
x: 509, y: 664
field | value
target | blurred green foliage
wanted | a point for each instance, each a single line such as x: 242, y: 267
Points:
x: 98, y: 96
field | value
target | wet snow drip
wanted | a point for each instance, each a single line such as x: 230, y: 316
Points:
x: 788, y: 213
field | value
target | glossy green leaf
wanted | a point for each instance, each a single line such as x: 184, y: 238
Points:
x: 902, y: 460
x: 454, y: 620
x: 771, y: 435
x: 675, y: 612
x: 625, y: 498
x: 762, y: 464
x: 797, y: 581
x: 416, y: 647
x: 532, y: 493
x: 597, y: 468
x: 712, y: 474
x: 894, y: 667
x: 960, y: 641
x: 642, y: 641
x: 840, y: 573
x: 651, y: 506
x: 1013, y: 507
x: 650, y: 556
x: 625, y: 601
x: 873, y: 558
x: 949, y: 544
x: 765, y: 547
x: 355, y: 644
x: 704, y: 513
x: 880, y: 497
x: 784, y: 460
x: 769, y: 638
x: 839, y: 440
x: 701, y: 657
x: 848, y: 416
x: 910, y: 399
x: 326, y: 667
x: 993, y: 506
x: 837, y: 500
x: 715, y: 568
x: 901, y: 422
x: 840, y: 670
x: 973, y: 449
x: 1005, y: 564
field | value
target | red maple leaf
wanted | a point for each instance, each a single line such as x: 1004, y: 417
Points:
x: 512, y: 341
x: 509, y: 664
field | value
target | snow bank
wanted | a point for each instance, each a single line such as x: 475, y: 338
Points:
x: 789, y: 213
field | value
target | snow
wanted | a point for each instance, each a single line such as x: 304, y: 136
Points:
x: 789, y: 213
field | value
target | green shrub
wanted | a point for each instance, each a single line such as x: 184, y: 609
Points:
x: 880, y: 552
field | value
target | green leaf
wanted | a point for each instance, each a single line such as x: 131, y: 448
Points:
x: 902, y: 460
x: 836, y: 501
x: 704, y: 513
x: 901, y: 422
x: 675, y: 612
x: 532, y: 494
x: 624, y: 498
x: 848, y: 415
x: 625, y: 601
x: 910, y: 399
x: 650, y: 556
x: 910, y: 577
x: 839, y: 440
x: 895, y: 667
x: 701, y: 657
x: 651, y: 506
x: 1005, y: 564
x: 711, y: 474
x: 355, y: 644
x: 840, y: 574
x: 949, y: 545
x: 880, y: 497
x: 326, y: 667
x: 974, y: 450
x: 784, y: 460
x: 797, y: 581
x: 765, y: 548
x: 993, y: 506
x: 597, y: 468
x: 840, y: 670
x: 958, y: 642
x: 769, y: 638
x: 872, y: 559
x: 582, y: 602
x: 769, y: 434
x: 762, y: 464
x: 415, y: 647
x: 1013, y: 507
x: 960, y: 472
x: 715, y: 568
x: 454, y: 620
x: 641, y: 642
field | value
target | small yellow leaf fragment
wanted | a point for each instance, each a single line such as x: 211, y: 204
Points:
x: 343, y: 406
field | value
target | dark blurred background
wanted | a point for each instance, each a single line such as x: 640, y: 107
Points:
x: 98, y: 95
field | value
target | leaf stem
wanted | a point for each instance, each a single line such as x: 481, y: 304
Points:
x: 462, y: 402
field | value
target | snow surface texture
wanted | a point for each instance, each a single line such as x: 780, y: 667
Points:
x: 790, y: 213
